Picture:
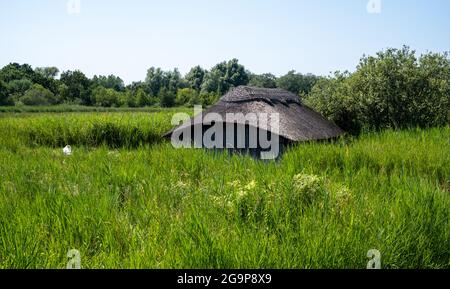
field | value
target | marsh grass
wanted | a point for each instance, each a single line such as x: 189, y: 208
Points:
x: 67, y: 108
x: 115, y: 130
x: 127, y: 201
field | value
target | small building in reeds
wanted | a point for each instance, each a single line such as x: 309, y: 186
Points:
x: 258, y: 121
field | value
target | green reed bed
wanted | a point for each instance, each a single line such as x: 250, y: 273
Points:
x: 148, y: 205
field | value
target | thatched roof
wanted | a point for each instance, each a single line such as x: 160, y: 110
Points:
x: 297, y: 122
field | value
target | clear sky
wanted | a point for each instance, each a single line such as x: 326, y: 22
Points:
x: 125, y: 38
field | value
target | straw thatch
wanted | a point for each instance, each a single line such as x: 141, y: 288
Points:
x: 297, y: 122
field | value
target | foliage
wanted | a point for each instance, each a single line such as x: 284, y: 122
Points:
x: 158, y: 80
x: 187, y: 96
x: 18, y: 87
x: 332, y: 98
x: 38, y: 95
x: 135, y: 85
x: 47, y: 72
x: 393, y: 89
x: 208, y: 98
x: 167, y: 97
x: 110, y: 81
x: 195, y: 77
x: 224, y: 76
x: 266, y: 80
x: 4, y: 97
x: 78, y: 87
x: 105, y: 97
x: 15, y: 71
x: 143, y: 99
x: 296, y: 82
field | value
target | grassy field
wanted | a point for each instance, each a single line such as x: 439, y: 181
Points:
x: 127, y: 199
x: 78, y: 108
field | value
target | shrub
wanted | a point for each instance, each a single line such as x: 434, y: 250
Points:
x: 105, y: 97
x: 167, y: 98
x: 126, y: 99
x: 208, y: 98
x: 142, y: 98
x: 394, y: 89
x: 332, y: 98
x: 19, y: 86
x: 4, y: 97
x: 296, y: 82
x: 38, y: 95
x: 186, y: 96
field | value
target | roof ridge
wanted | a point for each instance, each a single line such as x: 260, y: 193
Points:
x: 250, y: 93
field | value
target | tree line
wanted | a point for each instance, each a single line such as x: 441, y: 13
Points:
x: 393, y: 89
x: 20, y: 84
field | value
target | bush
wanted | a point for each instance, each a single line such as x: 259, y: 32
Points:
x: 144, y: 99
x: 208, y: 98
x: 332, y: 98
x: 266, y: 80
x: 4, y: 97
x: 186, y: 96
x: 296, y: 82
x: 167, y: 98
x: 394, y: 89
x: 19, y: 86
x: 105, y: 97
x: 38, y: 95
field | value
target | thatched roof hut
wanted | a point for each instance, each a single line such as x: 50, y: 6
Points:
x: 296, y: 121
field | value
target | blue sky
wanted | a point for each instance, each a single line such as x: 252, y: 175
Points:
x: 125, y: 38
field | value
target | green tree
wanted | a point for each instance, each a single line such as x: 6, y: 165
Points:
x: 172, y: 81
x: 63, y: 92
x: 432, y: 90
x: 38, y: 95
x: 4, y: 96
x: 207, y: 98
x: 135, y: 86
x: 296, y: 82
x: 105, y: 97
x: 154, y: 80
x: 157, y: 79
x: 393, y: 89
x: 224, y: 76
x: 195, y: 78
x: 47, y: 72
x: 15, y: 71
x: 214, y: 80
x: 266, y: 80
x: 110, y: 81
x: 186, y: 96
x: 78, y: 86
x: 332, y: 98
x: 18, y: 87
x: 142, y: 98
x: 127, y: 99
x: 236, y: 74
x: 167, y: 97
